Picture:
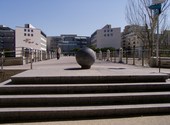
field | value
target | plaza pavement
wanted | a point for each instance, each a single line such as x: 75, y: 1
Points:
x: 152, y: 120
x: 68, y: 65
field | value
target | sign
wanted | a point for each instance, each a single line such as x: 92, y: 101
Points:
x: 157, y: 1
x: 155, y: 6
x: 157, y: 12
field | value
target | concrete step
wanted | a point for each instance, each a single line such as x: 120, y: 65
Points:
x: 83, y: 99
x: 24, y: 114
x: 89, y: 79
x: 83, y: 88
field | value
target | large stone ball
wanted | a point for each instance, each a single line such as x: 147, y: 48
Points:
x: 85, y: 57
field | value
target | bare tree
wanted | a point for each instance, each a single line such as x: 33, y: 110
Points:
x: 138, y: 13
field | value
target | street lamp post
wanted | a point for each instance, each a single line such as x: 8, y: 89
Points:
x: 157, y: 8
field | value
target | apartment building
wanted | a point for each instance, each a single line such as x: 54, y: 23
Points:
x: 31, y: 39
x: 107, y: 37
x: 130, y: 39
x: 7, y: 41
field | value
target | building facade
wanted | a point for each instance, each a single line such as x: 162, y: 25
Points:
x: 130, y: 39
x: 7, y: 41
x: 67, y: 42
x: 133, y: 38
x: 107, y: 37
x: 31, y: 39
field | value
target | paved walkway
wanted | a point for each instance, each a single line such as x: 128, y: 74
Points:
x: 153, y: 120
x: 67, y: 66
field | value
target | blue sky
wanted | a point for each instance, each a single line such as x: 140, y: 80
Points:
x: 55, y: 17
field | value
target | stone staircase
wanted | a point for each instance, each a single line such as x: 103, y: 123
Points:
x: 25, y: 102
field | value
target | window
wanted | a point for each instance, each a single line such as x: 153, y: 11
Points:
x: 111, y: 34
x: 107, y: 30
x: 28, y: 30
x: 25, y: 30
x: 108, y: 35
x: 25, y: 34
x: 28, y: 34
x: 32, y: 35
x: 111, y: 30
x: 104, y: 34
x: 32, y: 31
x: 104, y: 30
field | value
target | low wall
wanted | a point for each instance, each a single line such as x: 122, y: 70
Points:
x: 6, y: 74
x: 12, y: 61
x: 164, y: 62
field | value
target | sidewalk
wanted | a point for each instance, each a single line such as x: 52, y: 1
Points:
x: 152, y: 120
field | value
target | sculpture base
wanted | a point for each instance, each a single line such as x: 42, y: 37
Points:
x: 85, y: 67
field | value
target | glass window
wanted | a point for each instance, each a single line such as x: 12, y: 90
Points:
x: 108, y: 35
x: 104, y: 34
x: 104, y: 30
x: 25, y: 30
x: 107, y: 30
x: 32, y: 31
x: 28, y: 30
x: 28, y: 34
x: 32, y: 35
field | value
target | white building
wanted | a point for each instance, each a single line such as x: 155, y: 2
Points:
x: 107, y: 37
x: 30, y: 38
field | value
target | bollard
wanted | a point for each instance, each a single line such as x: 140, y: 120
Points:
x: 133, y: 55
x: 108, y: 55
x: 31, y: 59
x: 114, y: 56
x: 2, y: 60
x: 100, y: 55
x: 142, y: 57
x: 120, y: 55
x: 126, y: 56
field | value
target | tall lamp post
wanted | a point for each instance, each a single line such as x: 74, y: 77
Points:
x: 157, y: 8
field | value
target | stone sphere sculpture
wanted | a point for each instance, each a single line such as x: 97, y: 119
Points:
x: 85, y: 57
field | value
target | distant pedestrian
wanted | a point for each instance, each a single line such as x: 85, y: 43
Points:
x: 58, y: 52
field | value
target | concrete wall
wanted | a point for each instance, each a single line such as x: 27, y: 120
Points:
x: 164, y: 62
x: 110, y: 38
x: 29, y: 38
x: 6, y: 74
x: 28, y: 41
x: 12, y: 61
x: 107, y: 37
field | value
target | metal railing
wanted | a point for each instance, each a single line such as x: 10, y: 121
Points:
x: 24, y: 56
x: 133, y: 57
